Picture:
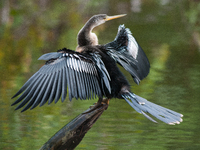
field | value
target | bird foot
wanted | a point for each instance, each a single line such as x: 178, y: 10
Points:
x: 104, y: 101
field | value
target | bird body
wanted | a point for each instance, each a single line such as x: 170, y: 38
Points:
x: 92, y: 71
x: 116, y: 79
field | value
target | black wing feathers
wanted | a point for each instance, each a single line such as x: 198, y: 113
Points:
x: 128, y: 53
x: 81, y: 73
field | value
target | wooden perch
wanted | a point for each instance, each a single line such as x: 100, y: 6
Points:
x: 71, y: 134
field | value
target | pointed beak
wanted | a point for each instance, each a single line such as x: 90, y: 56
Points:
x: 114, y: 17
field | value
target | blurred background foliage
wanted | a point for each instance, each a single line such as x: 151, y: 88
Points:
x: 51, y: 25
x: 169, y: 33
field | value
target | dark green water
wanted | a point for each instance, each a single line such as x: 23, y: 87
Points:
x: 162, y: 30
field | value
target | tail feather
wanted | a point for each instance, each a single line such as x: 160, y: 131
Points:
x: 143, y: 106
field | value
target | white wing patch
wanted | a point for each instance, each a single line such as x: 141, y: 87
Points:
x: 132, y: 46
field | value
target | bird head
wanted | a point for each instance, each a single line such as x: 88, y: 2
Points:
x: 102, y: 18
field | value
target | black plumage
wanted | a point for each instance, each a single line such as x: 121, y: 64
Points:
x: 92, y: 71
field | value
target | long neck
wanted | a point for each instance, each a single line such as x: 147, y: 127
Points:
x: 85, y: 35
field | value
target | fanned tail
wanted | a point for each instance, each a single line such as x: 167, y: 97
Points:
x: 143, y: 106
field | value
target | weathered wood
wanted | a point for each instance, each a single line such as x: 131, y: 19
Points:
x: 71, y: 134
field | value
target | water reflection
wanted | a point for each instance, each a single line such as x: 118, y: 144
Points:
x: 173, y: 81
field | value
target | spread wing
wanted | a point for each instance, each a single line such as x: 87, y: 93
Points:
x: 82, y: 74
x: 128, y: 53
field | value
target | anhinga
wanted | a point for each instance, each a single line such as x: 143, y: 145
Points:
x: 91, y: 71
